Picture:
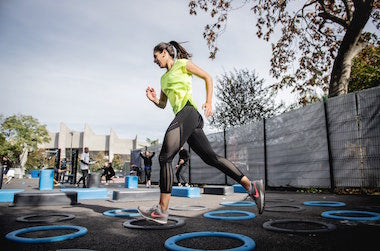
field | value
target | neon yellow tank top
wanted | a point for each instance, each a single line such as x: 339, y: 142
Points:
x: 176, y: 84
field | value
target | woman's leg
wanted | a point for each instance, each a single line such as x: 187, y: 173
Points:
x: 176, y: 135
x: 201, y: 146
x: 146, y: 176
x: 180, y: 173
x: 178, y: 132
x: 148, y: 172
x: 177, y: 173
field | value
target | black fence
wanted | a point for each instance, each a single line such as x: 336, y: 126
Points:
x: 331, y: 144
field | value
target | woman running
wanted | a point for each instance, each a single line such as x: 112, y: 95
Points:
x: 187, y: 125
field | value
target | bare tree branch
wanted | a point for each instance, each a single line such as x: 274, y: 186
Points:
x: 348, y: 10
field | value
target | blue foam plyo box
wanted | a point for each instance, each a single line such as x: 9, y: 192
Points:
x: 88, y: 193
x: 239, y: 188
x: 7, y: 195
x: 131, y: 181
x: 190, y: 192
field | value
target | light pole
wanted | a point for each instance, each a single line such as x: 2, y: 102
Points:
x: 71, y: 155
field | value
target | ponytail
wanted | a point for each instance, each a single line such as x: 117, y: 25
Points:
x: 181, y: 52
x: 169, y: 47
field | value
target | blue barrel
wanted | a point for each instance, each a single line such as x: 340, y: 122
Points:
x: 46, y: 179
x: 35, y: 173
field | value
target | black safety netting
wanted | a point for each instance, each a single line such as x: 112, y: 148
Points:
x: 297, y: 153
x: 245, y: 148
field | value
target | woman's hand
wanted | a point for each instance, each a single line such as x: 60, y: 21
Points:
x: 208, y: 109
x: 151, y: 94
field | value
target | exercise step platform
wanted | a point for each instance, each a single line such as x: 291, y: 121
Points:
x: 218, y: 190
x: 239, y: 188
x: 45, y: 199
x: 7, y: 195
x: 136, y: 194
x: 190, y: 192
x: 131, y: 182
x: 88, y: 193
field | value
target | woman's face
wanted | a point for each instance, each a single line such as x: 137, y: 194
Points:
x: 159, y: 58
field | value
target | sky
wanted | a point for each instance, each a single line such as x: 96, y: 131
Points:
x: 90, y: 61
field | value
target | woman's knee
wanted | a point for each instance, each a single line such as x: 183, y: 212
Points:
x: 164, y: 158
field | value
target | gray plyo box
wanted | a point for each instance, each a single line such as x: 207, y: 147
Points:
x: 218, y: 190
x: 136, y: 194
x: 45, y: 199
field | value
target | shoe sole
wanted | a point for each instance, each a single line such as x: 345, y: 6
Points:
x: 151, y: 219
x: 262, y: 195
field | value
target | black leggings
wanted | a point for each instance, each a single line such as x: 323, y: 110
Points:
x: 84, y: 177
x: 148, y: 172
x: 187, y: 126
x: 179, y: 173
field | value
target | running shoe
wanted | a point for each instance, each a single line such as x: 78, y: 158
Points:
x: 8, y: 180
x: 257, y: 193
x: 153, y: 213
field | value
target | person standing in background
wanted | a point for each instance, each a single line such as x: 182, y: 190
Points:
x: 147, y: 166
x: 84, y: 165
x: 7, y: 164
x: 182, y: 164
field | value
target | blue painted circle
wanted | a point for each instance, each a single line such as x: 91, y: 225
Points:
x: 130, y: 212
x: 240, y: 203
x: 324, y: 203
x: 212, y: 215
x: 248, y: 243
x: 372, y: 216
x: 13, y: 236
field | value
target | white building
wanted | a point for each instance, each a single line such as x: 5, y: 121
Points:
x: 66, y: 140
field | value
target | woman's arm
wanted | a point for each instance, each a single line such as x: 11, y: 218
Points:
x: 194, y: 69
x: 152, y: 96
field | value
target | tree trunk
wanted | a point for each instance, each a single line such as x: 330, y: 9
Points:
x: 349, y: 48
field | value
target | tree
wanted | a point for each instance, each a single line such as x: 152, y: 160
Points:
x: 36, y: 159
x: 152, y: 142
x: 39, y: 158
x: 99, y: 158
x: 324, y: 35
x: 365, y: 71
x: 19, y: 133
x: 242, y: 98
x: 117, y: 161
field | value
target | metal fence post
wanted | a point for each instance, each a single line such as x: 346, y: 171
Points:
x: 265, y: 154
x: 332, y: 181
x: 189, y: 165
x: 225, y: 152
x: 1, y: 176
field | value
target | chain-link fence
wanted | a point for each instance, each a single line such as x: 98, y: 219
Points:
x: 330, y: 144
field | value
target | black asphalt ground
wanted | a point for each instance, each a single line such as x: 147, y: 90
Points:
x: 108, y: 233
